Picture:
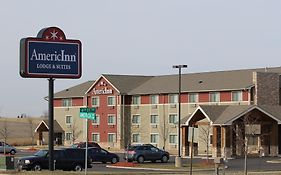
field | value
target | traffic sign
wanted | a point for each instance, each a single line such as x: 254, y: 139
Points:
x: 88, y: 113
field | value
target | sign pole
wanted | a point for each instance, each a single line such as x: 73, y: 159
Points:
x: 51, y: 124
x: 86, y: 151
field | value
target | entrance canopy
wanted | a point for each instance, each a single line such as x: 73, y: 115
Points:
x: 226, y: 114
x: 43, y: 127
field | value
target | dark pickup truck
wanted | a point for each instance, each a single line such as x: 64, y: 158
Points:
x: 64, y: 159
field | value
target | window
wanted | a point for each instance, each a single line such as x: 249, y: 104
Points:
x: 68, y: 119
x: 66, y: 102
x: 193, y: 97
x: 136, y: 138
x: 68, y: 136
x: 136, y: 100
x: 154, y: 119
x: 236, y: 95
x: 214, y: 96
x: 173, y: 98
x: 136, y: 119
x: 95, y: 101
x: 97, y: 121
x: 154, y: 99
x: 154, y: 138
x: 96, y: 137
x: 111, y: 119
x: 173, y: 118
x: 111, y: 137
x: 173, y: 139
x: 111, y: 101
x: 252, y: 140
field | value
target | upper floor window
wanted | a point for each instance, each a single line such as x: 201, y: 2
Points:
x: 214, y: 97
x: 111, y: 119
x: 173, y: 118
x: 154, y: 119
x: 136, y: 119
x: 173, y: 98
x: 66, y: 102
x: 95, y: 101
x: 154, y: 138
x: 136, y: 138
x: 96, y: 137
x: 236, y: 96
x: 173, y: 139
x: 97, y: 121
x: 154, y: 99
x: 136, y: 100
x: 193, y: 97
x: 68, y: 119
x: 111, y: 101
x: 111, y: 137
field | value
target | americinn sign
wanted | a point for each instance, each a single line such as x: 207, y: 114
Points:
x: 50, y: 55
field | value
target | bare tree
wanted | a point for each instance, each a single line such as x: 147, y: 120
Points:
x: 204, y: 137
x: 244, y: 128
x: 75, y: 130
x: 31, y: 126
x: 4, y: 132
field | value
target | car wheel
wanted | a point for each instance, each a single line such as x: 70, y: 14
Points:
x: 37, y: 167
x: 140, y: 159
x: 78, y: 167
x: 114, y: 160
x: 164, y: 159
x: 13, y: 152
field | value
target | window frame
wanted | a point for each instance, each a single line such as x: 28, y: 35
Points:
x: 153, y: 117
x: 173, y: 98
x: 113, y: 117
x: 66, y: 102
x: 136, y: 100
x: 114, y: 137
x: 239, y: 95
x: 216, y: 96
x: 97, y: 121
x: 194, y: 99
x: 138, y: 121
x: 114, y: 100
x: 154, y: 99
x: 97, y: 100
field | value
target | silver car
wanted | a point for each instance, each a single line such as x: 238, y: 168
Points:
x: 8, y: 148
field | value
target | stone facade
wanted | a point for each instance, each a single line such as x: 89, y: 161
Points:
x: 266, y: 85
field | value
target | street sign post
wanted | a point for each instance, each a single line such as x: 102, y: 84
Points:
x: 87, y: 113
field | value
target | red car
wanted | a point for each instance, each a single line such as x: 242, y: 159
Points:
x: 83, y: 145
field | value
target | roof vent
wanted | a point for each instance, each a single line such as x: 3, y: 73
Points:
x: 67, y: 90
x: 200, y: 81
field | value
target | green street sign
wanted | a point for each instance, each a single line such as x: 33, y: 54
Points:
x: 88, y: 113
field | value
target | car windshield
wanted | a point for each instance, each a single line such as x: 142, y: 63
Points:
x: 41, y: 153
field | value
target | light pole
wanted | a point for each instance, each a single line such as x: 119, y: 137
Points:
x: 178, y: 162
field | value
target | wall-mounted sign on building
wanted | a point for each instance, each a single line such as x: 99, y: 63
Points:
x: 50, y: 55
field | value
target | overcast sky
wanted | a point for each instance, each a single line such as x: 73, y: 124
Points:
x: 143, y: 37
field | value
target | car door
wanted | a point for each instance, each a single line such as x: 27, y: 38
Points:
x: 100, y: 155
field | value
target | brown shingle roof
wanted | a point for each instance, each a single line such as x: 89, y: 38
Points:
x: 226, y: 114
x: 75, y: 91
x: 196, y: 82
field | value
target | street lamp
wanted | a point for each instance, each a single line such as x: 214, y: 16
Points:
x: 178, y: 158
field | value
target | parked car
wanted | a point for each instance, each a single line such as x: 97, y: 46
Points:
x: 145, y: 152
x: 83, y: 145
x: 102, y: 155
x: 65, y: 159
x: 8, y: 148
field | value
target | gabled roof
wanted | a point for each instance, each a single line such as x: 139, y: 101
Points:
x: 226, y: 114
x: 44, y: 123
x: 75, y: 91
x: 206, y: 81
x: 126, y: 83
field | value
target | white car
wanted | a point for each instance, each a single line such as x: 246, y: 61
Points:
x: 8, y: 148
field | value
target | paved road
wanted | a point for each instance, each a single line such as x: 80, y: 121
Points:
x: 234, y: 166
